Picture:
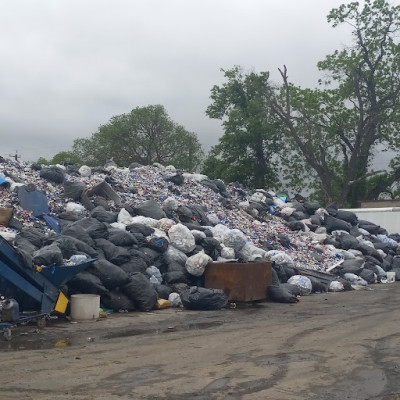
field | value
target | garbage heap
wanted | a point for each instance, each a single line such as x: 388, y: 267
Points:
x: 152, y: 230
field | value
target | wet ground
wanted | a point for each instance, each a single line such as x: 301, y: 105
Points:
x: 328, y: 346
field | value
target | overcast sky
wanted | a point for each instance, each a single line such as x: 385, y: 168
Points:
x: 68, y: 66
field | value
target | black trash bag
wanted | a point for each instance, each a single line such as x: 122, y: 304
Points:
x: 141, y: 291
x: 33, y: 235
x: 78, y: 232
x: 135, y: 264
x: 336, y: 224
x: 333, y: 242
x: 351, y: 266
x: 115, y: 254
x: 177, y: 179
x: 48, y: 255
x: 185, y: 214
x: 116, y: 300
x: 176, y: 276
x: 395, y: 261
x: 317, y: 285
x: 295, y: 290
x: 368, y: 275
x: 151, y: 209
x: 36, y: 167
x: 86, y: 283
x: 298, y: 206
x: 382, y: 246
x: 73, y: 190
x: 347, y: 216
x: 372, y: 260
x: 25, y: 257
x: 332, y: 209
x: 159, y: 244
x: 348, y: 241
x: 120, y: 237
x: 199, y: 298
x: 370, y: 251
x: 281, y: 294
x: 52, y: 174
x: 135, y: 253
x: 283, y: 239
x: 210, y: 184
x: 311, y: 207
x: 70, y: 246
x: 98, y: 230
x: 134, y: 165
x: 152, y: 255
x: 280, y: 272
x: 386, y: 265
x: 354, y: 231
x: 379, y: 274
x: 22, y: 243
x: 102, y: 215
x: 316, y: 220
x: 140, y: 228
x: 199, y: 214
x: 295, y: 226
x: 163, y: 291
x: 370, y: 227
x: 299, y: 215
x: 110, y: 275
x: 289, y: 271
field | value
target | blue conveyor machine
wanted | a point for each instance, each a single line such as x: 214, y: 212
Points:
x: 40, y: 286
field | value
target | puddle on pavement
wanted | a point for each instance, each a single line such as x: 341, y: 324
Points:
x: 168, y: 329
x: 35, y: 340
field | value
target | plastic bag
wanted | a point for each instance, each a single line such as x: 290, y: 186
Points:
x: 124, y: 217
x: 173, y: 255
x: 336, y: 286
x: 303, y: 282
x: 165, y: 224
x: 279, y: 257
x: 227, y: 253
x: 198, y: 298
x: 175, y: 300
x: 250, y: 252
x: 181, y: 238
x: 234, y: 238
x: 196, y: 264
x: 154, y: 271
x: 75, y: 208
x: 219, y: 231
x: 85, y: 171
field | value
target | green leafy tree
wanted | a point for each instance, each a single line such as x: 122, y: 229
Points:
x: 64, y: 157
x: 338, y: 130
x: 145, y: 135
x: 251, y: 140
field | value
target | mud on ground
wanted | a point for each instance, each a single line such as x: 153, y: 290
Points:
x: 328, y: 346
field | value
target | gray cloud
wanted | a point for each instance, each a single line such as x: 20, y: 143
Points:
x: 69, y: 66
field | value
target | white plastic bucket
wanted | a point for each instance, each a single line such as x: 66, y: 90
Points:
x: 85, y: 306
x: 390, y: 276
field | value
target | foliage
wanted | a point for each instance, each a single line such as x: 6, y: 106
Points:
x: 337, y: 130
x: 251, y: 133
x: 145, y: 135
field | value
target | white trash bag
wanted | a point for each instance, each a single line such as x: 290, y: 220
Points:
x: 234, y: 238
x: 196, y: 264
x: 302, y: 282
x: 181, y: 238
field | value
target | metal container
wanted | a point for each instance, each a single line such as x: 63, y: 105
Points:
x: 242, y: 282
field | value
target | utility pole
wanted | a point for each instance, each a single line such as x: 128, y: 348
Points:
x: 16, y: 155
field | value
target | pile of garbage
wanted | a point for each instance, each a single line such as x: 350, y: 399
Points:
x: 152, y: 230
